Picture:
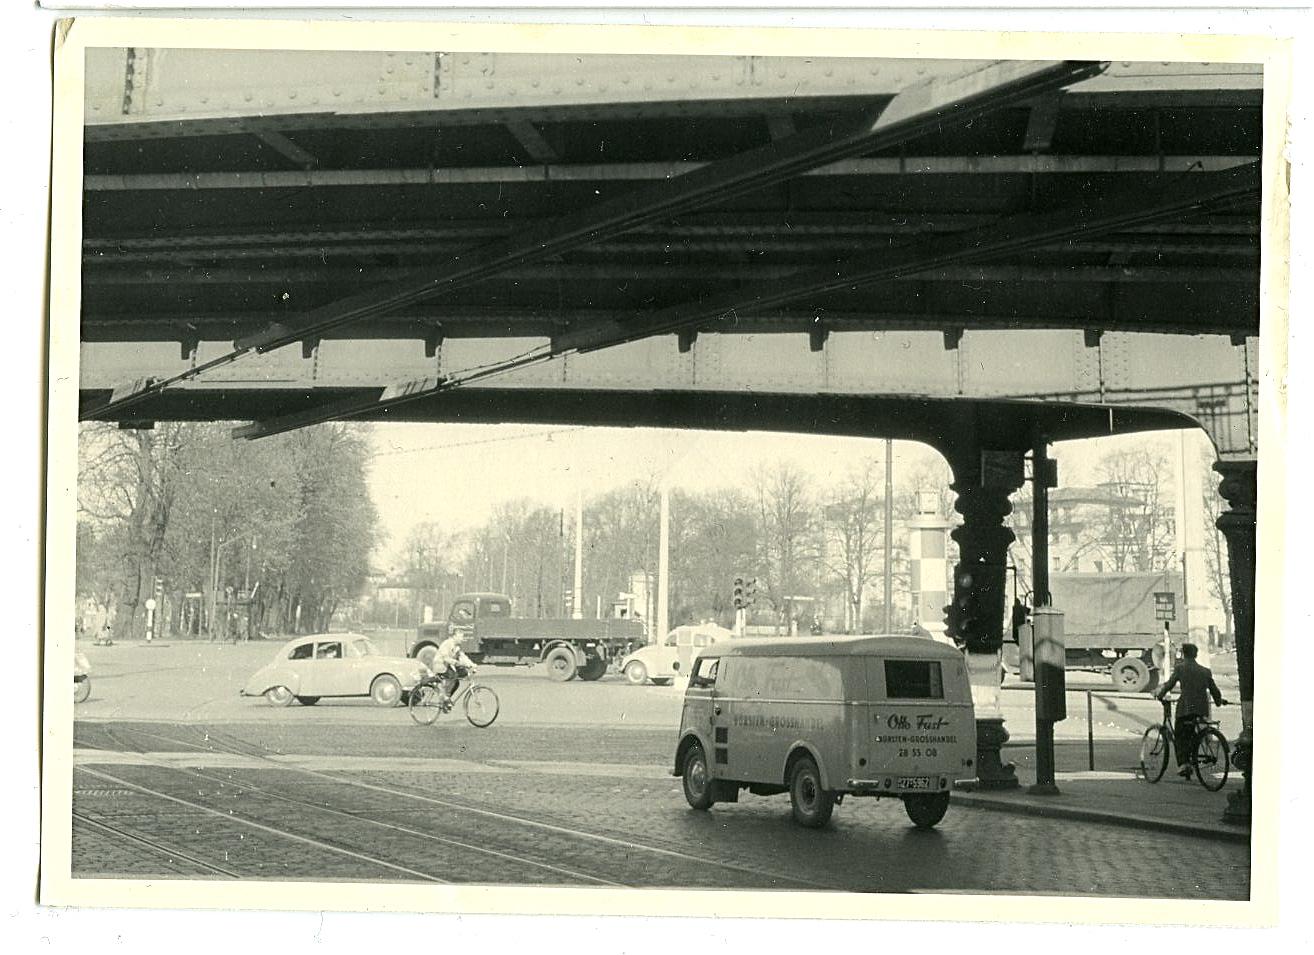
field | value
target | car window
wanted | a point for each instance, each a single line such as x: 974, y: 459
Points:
x: 361, y: 648
x: 700, y: 640
x: 704, y: 672
x: 463, y: 611
x: 302, y: 651
x: 672, y: 638
x: 328, y: 651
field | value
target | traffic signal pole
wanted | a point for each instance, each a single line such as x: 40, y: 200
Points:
x: 1044, y: 677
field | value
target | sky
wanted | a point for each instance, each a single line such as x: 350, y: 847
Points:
x: 456, y: 474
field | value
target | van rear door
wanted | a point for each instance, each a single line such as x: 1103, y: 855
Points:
x: 922, y: 727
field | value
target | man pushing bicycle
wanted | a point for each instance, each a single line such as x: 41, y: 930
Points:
x: 1197, y: 683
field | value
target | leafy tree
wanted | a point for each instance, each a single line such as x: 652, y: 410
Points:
x: 127, y: 483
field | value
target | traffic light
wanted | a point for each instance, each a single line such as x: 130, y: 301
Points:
x: 750, y: 592
x: 739, y: 594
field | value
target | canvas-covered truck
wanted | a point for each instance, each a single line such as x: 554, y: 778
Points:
x: 1113, y: 623
x: 567, y: 648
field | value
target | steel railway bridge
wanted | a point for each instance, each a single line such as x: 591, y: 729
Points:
x: 984, y: 256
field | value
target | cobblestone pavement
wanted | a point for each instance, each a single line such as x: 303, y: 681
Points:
x: 543, y: 825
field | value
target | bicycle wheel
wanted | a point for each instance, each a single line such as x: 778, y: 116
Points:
x: 424, y: 704
x: 1154, y: 754
x: 1210, y: 759
x: 481, y: 706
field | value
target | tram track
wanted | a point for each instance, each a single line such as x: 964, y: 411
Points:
x: 625, y: 847
x: 159, y: 848
x: 447, y: 845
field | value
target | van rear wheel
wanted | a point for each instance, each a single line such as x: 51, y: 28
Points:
x: 926, y: 809
x: 697, y: 781
x: 812, y: 804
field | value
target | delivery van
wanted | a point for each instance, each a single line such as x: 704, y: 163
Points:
x: 825, y: 718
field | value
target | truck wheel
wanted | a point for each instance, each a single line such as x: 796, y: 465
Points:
x: 1131, y: 675
x: 636, y: 673
x: 593, y: 669
x: 560, y: 665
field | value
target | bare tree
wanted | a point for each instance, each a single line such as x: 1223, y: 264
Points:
x: 789, y: 534
x: 854, y: 528
x: 1215, y: 547
x: 1137, y: 532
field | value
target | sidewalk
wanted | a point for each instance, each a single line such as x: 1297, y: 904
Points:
x: 1120, y: 798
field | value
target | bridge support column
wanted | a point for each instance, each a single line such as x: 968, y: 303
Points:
x: 1239, y: 488
x: 976, y: 616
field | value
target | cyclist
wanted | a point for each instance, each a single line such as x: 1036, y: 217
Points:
x: 1198, y: 685
x: 449, y: 665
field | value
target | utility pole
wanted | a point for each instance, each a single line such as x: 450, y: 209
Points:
x: 506, y: 549
x: 889, y: 535
x: 214, y: 575
x: 664, y: 564
x: 577, y: 604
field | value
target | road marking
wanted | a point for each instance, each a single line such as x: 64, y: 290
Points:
x: 401, y: 764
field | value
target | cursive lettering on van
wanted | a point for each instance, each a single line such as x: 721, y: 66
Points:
x: 930, y: 721
x: 898, y: 722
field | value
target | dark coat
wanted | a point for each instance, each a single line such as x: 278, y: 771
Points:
x: 1197, y: 684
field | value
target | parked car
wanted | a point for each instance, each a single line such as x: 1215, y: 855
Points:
x: 81, y: 678
x: 663, y: 662
x: 311, y: 668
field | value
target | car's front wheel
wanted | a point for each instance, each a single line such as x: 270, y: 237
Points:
x: 279, y: 696
x: 697, y: 780
x: 636, y: 673
x: 385, y: 690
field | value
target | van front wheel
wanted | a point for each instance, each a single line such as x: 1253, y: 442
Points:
x: 812, y: 804
x: 697, y: 782
x: 926, y: 809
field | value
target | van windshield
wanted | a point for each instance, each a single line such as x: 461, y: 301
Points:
x: 913, y: 680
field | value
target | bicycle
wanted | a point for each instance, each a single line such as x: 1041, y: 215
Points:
x: 428, y: 702
x: 1207, y: 756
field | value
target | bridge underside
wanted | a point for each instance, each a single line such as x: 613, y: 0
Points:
x: 935, y: 421
x: 421, y: 212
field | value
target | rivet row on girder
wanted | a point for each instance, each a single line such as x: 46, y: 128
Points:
x: 129, y: 76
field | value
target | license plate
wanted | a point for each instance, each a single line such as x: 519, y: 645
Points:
x: 915, y: 782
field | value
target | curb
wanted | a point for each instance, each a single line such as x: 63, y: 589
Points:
x: 1127, y: 820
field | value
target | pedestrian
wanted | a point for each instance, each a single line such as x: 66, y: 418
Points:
x: 1198, y: 686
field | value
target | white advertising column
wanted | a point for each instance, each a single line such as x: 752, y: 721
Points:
x: 929, y: 567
